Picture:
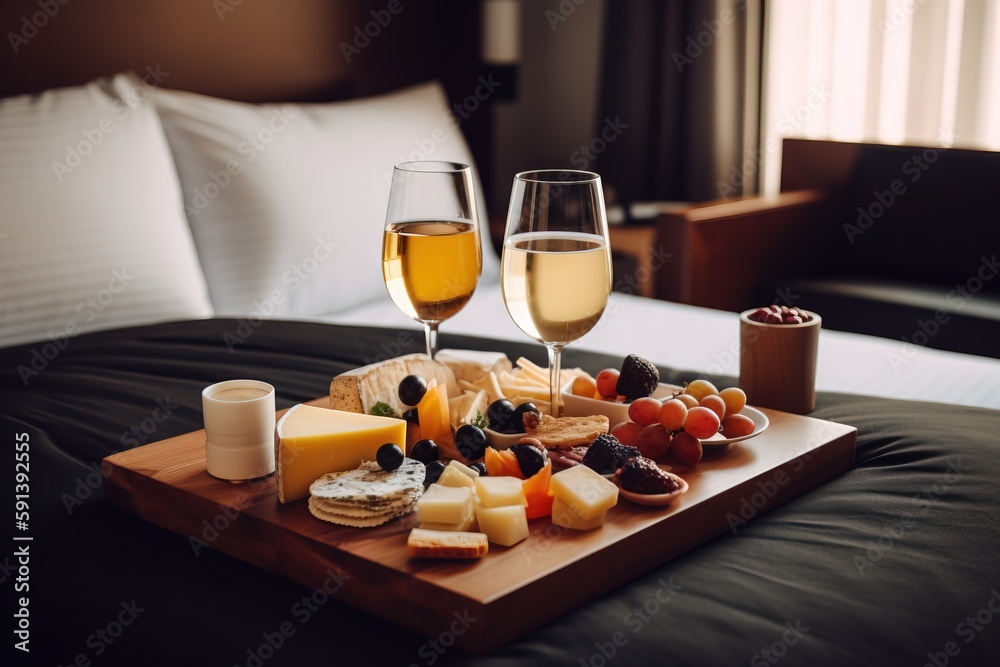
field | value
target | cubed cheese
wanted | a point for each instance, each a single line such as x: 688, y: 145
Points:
x: 584, y: 490
x: 563, y: 515
x: 469, y: 524
x: 453, y: 477
x: 312, y: 441
x: 445, y: 504
x: 505, y: 525
x: 500, y: 491
x: 471, y: 473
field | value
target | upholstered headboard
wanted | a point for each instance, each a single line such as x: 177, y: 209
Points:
x: 249, y: 50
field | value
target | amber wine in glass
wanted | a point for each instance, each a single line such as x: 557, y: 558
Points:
x: 431, y: 253
x: 556, y: 265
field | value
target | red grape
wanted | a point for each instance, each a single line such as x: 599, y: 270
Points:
x: 702, y: 422
x: 716, y: 404
x: 735, y: 426
x: 688, y: 400
x: 672, y: 414
x: 584, y: 386
x: 607, y: 383
x: 626, y: 432
x: 700, y: 389
x: 644, y: 411
x: 653, y: 441
x: 735, y: 399
x: 686, y: 448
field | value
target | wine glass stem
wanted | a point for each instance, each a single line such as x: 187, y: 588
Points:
x: 431, y: 335
x: 555, y: 390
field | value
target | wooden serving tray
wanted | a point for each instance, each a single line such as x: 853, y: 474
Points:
x: 512, y: 590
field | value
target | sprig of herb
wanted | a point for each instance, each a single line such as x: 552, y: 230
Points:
x: 382, y: 409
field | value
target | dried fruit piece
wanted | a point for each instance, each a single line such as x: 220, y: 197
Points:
x: 606, y: 455
x: 638, y: 378
x: 641, y: 475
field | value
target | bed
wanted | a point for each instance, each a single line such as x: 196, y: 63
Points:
x: 895, y: 561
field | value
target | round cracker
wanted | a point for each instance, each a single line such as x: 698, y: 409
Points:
x: 369, y: 482
x: 354, y: 522
x: 361, y: 511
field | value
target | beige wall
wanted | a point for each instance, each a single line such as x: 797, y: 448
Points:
x: 557, y: 108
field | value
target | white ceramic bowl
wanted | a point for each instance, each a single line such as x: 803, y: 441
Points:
x: 580, y: 406
x: 658, y: 499
x: 499, y: 440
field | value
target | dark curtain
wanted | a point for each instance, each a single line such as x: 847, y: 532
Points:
x: 684, y: 76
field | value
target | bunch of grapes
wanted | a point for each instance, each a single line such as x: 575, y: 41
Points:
x: 681, y: 422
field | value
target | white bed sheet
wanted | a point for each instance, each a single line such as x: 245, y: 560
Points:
x: 706, y: 342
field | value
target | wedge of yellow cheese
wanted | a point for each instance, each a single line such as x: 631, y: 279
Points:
x: 585, y: 491
x: 312, y: 441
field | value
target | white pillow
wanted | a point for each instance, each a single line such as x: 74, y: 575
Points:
x: 287, y: 202
x: 92, y: 231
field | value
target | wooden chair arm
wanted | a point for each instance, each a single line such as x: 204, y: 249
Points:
x: 722, y: 252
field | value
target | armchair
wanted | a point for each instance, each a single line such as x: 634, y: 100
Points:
x: 892, y: 241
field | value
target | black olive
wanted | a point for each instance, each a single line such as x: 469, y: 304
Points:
x: 481, y: 467
x: 499, y: 413
x: 411, y: 389
x: 433, y: 473
x: 411, y: 416
x: 471, y: 441
x: 425, y: 451
x: 389, y: 456
x: 529, y: 458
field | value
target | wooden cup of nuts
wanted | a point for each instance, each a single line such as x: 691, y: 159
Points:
x: 778, y: 349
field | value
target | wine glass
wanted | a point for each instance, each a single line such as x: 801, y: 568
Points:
x: 556, y: 264
x: 431, y: 254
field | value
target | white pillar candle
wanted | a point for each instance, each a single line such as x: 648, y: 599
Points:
x: 239, y: 429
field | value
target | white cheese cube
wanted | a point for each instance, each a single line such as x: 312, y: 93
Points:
x: 584, y: 490
x: 453, y: 477
x: 563, y: 515
x: 471, y: 473
x: 505, y: 525
x: 469, y: 525
x: 501, y: 491
x: 445, y: 504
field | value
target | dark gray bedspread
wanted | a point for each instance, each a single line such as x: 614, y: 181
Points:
x: 896, y: 562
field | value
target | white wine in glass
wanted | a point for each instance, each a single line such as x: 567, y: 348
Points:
x: 556, y: 265
x: 431, y: 253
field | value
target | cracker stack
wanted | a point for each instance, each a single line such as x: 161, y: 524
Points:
x: 368, y: 496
